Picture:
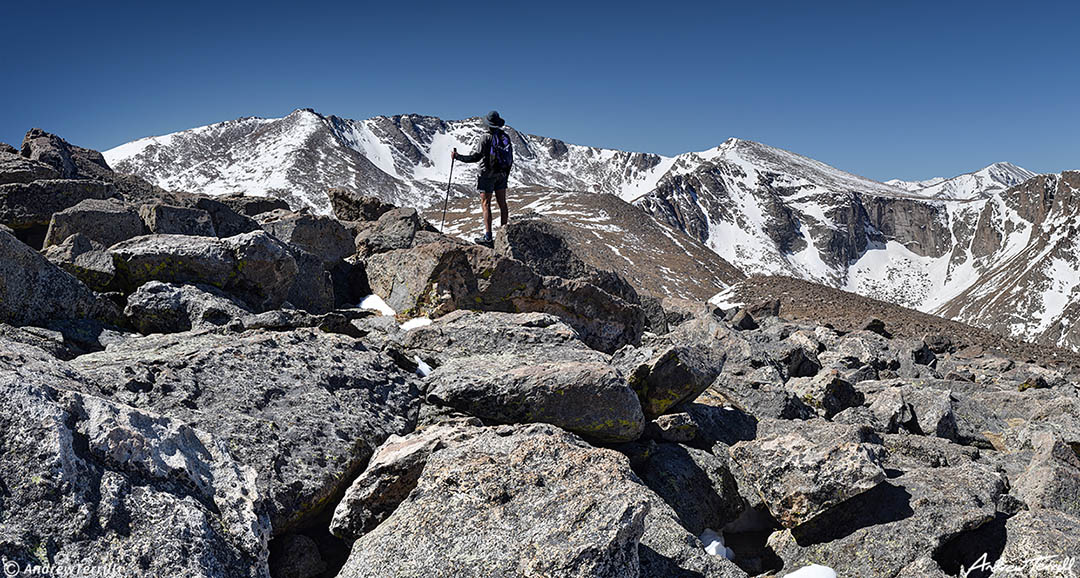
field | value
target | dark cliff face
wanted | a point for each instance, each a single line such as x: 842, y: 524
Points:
x: 1034, y: 199
x: 918, y: 224
x: 677, y: 202
x: 853, y: 232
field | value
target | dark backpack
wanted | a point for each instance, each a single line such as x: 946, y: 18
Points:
x: 501, y: 154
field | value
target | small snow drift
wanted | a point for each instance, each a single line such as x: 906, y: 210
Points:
x: 812, y: 571
x: 376, y: 303
x: 414, y: 323
x: 714, y: 544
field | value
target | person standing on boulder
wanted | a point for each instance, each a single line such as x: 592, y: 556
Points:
x: 495, y: 155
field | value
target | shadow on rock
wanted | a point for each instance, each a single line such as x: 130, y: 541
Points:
x: 884, y: 504
x: 969, y: 549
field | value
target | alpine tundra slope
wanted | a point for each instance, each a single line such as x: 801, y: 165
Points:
x: 944, y: 245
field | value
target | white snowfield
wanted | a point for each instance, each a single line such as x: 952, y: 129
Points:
x: 763, y: 209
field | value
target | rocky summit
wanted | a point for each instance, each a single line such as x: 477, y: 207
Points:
x: 228, y: 386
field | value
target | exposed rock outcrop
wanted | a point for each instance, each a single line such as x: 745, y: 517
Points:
x: 305, y: 409
x: 536, y: 500
x: 162, y: 219
x: 437, y: 277
x: 255, y: 266
x: 107, y: 221
x: 93, y: 484
x: 34, y: 291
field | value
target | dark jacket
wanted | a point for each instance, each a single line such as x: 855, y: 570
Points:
x: 481, y: 156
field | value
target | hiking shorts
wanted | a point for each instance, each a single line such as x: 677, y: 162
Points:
x: 492, y: 183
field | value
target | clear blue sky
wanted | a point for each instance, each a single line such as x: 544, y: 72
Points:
x: 882, y: 89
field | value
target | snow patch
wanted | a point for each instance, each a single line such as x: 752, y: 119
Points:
x: 414, y: 323
x: 376, y: 303
x: 726, y: 299
x: 812, y: 571
x: 714, y: 544
x: 422, y: 369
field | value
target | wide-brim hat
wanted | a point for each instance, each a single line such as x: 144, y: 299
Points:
x: 493, y: 120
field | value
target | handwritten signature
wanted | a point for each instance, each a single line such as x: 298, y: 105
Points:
x: 1062, y: 566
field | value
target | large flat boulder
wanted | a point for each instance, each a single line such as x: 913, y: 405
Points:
x: 15, y: 168
x: 164, y: 219
x: 105, y: 221
x: 568, y: 388
x: 464, y: 332
x: 322, y: 236
x: 535, y: 500
x: 256, y: 267
x: 34, y: 291
x: 920, y: 512
x: 158, y: 307
x: 305, y: 409
x: 33, y: 204
x: 394, y: 229
x: 227, y: 221
x: 352, y: 206
x: 251, y: 205
x: 802, y: 470
x: 93, y: 484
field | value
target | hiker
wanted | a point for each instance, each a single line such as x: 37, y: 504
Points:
x: 496, y: 155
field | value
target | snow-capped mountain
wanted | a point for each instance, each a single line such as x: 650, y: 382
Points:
x: 996, y: 177
x: 936, y: 245
x: 1027, y: 250
x: 402, y: 159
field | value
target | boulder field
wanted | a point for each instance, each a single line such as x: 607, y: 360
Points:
x: 199, y: 386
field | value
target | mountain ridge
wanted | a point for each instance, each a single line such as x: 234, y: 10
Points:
x: 765, y: 210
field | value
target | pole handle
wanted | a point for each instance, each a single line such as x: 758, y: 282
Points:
x: 449, y: 181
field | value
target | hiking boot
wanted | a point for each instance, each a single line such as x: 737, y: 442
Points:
x: 484, y: 239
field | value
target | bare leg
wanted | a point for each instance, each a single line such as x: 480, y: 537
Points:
x: 504, y: 211
x: 485, y: 204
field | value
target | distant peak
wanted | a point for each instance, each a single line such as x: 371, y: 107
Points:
x: 1006, y: 173
x: 301, y: 111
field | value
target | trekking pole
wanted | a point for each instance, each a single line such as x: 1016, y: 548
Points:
x: 442, y: 227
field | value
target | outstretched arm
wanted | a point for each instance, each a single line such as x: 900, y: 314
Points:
x: 475, y: 156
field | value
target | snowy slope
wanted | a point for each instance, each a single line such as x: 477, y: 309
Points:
x: 1028, y: 256
x: 403, y: 159
x: 994, y: 178
x: 923, y: 245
